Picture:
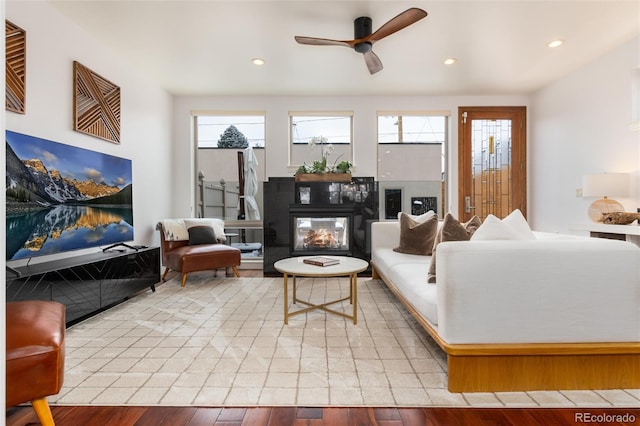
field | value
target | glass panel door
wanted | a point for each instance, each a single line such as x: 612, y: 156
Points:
x: 491, y: 164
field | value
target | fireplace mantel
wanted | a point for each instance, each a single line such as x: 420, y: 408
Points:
x: 323, y: 177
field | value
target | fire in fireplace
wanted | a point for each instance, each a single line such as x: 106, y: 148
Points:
x: 320, y: 232
x: 320, y: 238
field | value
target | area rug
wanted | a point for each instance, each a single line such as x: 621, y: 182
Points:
x: 222, y: 342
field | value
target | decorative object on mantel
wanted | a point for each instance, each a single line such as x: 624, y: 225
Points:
x: 96, y: 104
x: 15, y: 67
x: 620, y: 218
x: 318, y: 171
x: 605, y: 185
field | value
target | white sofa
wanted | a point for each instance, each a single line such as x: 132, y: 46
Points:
x: 557, y: 312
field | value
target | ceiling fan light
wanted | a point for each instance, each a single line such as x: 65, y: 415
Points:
x: 450, y: 61
x: 555, y: 43
x: 362, y: 47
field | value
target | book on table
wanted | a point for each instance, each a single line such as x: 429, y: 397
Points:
x: 321, y: 261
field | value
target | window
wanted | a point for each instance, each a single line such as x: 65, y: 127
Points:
x: 230, y: 130
x: 218, y: 163
x: 412, y: 149
x: 411, y: 129
x: 335, y: 126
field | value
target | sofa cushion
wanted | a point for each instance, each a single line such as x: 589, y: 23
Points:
x: 201, y: 235
x: 404, y: 271
x: 202, y: 257
x: 517, y: 221
x: 423, y: 298
x: 385, y: 258
x: 452, y: 230
x: 216, y: 224
x: 419, y: 218
x: 512, y: 227
x: 177, y: 229
x: 417, y: 237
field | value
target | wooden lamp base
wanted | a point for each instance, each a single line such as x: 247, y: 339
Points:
x: 604, y: 205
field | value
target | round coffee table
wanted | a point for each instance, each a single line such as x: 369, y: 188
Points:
x: 296, y: 267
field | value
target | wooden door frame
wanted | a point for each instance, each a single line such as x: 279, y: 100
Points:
x: 518, y: 155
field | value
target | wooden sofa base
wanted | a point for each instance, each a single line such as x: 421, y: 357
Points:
x: 536, y: 366
x: 516, y: 372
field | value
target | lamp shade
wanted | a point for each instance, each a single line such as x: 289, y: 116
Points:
x: 605, y: 185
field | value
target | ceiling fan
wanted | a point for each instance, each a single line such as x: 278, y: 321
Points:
x: 364, y: 38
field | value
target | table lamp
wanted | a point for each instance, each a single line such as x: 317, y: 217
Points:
x: 605, y: 185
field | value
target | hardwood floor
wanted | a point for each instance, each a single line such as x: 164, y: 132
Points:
x: 298, y: 416
x: 251, y: 273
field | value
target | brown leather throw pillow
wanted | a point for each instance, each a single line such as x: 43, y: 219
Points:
x: 451, y: 230
x: 417, y: 237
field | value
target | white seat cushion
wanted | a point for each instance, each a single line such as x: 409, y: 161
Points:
x: 408, y: 272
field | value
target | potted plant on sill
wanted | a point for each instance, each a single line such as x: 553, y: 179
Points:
x: 319, y: 171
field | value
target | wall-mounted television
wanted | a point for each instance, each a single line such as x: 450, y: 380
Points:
x: 61, y: 198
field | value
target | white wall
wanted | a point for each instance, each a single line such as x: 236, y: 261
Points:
x: 277, y: 130
x: 580, y: 125
x: 53, y: 43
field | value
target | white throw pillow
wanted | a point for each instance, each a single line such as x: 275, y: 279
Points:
x: 216, y: 224
x: 419, y: 218
x: 518, y: 223
x: 512, y: 227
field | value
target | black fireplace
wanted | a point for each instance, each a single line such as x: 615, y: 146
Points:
x: 315, y: 218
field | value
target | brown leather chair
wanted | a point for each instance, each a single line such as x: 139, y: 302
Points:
x: 35, y: 331
x: 180, y: 256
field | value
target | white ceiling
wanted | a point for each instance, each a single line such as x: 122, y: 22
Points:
x: 205, y: 47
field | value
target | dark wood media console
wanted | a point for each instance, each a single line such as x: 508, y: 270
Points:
x: 87, y: 284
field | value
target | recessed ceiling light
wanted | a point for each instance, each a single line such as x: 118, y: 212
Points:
x: 555, y: 43
x: 257, y: 61
x: 450, y: 61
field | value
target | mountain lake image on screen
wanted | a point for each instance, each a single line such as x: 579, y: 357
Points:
x: 61, y: 198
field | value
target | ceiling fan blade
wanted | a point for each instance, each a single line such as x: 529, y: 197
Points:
x: 314, y: 41
x: 373, y: 62
x: 403, y: 20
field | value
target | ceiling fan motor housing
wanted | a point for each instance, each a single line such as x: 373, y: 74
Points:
x: 362, y: 27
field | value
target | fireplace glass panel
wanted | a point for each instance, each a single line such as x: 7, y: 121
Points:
x: 321, y: 233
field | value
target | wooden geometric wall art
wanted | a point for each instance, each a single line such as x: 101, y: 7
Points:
x: 96, y: 104
x: 15, y: 68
